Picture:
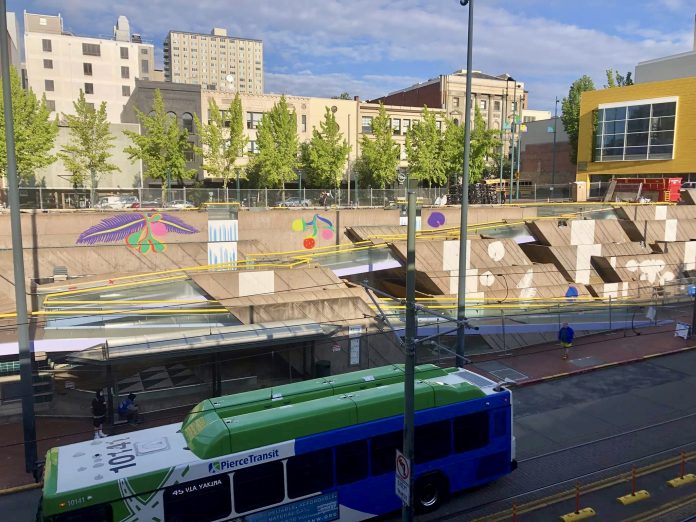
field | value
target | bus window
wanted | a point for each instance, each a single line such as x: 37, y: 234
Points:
x: 310, y: 473
x: 351, y: 462
x: 201, y: 500
x: 258, y: 486
x: 384, y: 451
x: 100, y: 513
x: 433, y: 441
x: 471, y: 431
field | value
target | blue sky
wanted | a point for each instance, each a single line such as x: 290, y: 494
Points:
x: 371, y: 47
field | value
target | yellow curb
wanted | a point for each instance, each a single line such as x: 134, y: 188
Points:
x: 19, y: 489
x: 682, y: 481
x: 580, y: 515
x: 632, y: 498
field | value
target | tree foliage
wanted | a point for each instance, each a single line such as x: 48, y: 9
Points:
x: 221, y: 146
x: 162, y: 145
x: 570, y: 112
x: 379, y: 157
x: 278, y: 144
x: 484, y: 143
x: 615, y: 79
x: 453, y: 150
x: 424, y: 150
x: 34, y: 132
x: 324, y: 157
x: 342, y: 96
x: 87, y: 153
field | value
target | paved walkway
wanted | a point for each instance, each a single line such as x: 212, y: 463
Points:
x: 524, y: 366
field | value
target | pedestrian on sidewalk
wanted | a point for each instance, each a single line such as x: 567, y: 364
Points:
x: 98, y: 414
x: 565, y: 336
x: 129, y: 410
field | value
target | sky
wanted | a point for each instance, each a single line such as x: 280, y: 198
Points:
x: 369, y: 48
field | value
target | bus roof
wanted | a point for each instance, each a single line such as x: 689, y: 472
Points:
x: 209, y: 433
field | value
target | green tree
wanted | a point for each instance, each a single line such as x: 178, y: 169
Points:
x: 342, y: 96
x: 570, y: 112
x: 324, y: 157
x: 615, y: 79
x: 222, y: 146
x: 276, y: 138
x: 162, y: 145
x: 424, y: 147
x: 34, y: 132
x: 453, y: 150
x: 379, y: 156
x: 484, y: 143
x: 87, y: 153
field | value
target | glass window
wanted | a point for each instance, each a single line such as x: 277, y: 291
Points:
x: 87, y: 69
x: 48, y: 64
x: 470, y: 431
x: 433, y: 441
x: 438, y: 125
x: 664, y: 109
x: 483, y: 105
x: 91, y: 49
x: 662, y: 138
x: 125, y: 90
x: 172, y: 115
x: 253, y: 119
x: 383, y: 452
x: 367, y: 124
x: 455, y: 101
x: 406, y: 124
x: 48, y: 85
x: 641, y: 125
x: 615, y: 127
x: 662, y: 123
x: 396, y: 125
x: 638, y: 111
x: 202, y: 500
x: 46, y: 45
x: 253, y: 148
x: 304, y: 123
x: 639, y: 138
x: 187, y: 122
x: 51, y: 105
x: 496, y: 105
x: 310, y: 473
x: 615, y: 113
x: 189, y: 152
x: 351, y: 462
x: 661, y: 151
x: 143, y: 50
x: 145, y: 66
x: 124, y: 53
x: 125, y: 71
x: 89, y: 88
x: 258, y: 486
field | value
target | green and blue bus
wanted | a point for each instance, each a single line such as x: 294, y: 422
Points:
x: 316, y: 450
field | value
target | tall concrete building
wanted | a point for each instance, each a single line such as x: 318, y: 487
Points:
x: 59, y: 64
x: 13, y: 42
x: 215, y: 61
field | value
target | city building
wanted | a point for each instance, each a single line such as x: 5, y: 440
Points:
x: 13, y: 47
x: 682, y: 65
x: 645, y: 130
x: 215, y: 61
x: 59, y: 64
x: 534, y: 115
x: 538, y: 152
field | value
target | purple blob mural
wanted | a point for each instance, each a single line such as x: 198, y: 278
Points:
x: 436, y: 219
x: 139, y: 230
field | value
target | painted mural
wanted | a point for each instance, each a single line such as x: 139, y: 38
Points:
x: 316, y: 227
x: 436, y: 219
x: 143, y: 232
x: 223, y: 234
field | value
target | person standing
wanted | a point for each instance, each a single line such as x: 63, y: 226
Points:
x: 98, y: 414
x: 565, y: 336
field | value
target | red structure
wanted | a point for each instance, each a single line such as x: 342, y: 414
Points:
x: 664, y: 189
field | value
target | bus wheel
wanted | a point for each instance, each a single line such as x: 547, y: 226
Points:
x: 430, y: 492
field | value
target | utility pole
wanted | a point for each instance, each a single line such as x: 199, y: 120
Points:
x: 411, y: 332
x: 25, y: 347
x: 461, y: 291
x: 512, y: 125
x: 553, y: 154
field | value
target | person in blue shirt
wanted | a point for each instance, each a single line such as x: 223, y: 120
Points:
x: 565, y: 336
x: 128, y: 409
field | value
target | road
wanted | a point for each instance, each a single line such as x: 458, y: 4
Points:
x: 557, y: 424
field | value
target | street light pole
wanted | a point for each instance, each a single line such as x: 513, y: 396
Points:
x: 23, y: 341
x: 461, y: 291
x: 553, y: 154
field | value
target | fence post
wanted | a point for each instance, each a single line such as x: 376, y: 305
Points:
x: 370, y: 196
x: 610, y: 312
x: 184, y: 192
x: 535, y: 193
x: 265, y: 195
x: 40, y: 198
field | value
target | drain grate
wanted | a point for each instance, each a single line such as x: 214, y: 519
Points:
x: 508, y: 373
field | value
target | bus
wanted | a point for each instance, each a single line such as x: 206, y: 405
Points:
x: 317, y: 450
x: 526, y: 187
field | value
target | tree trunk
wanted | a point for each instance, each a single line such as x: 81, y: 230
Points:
x: 93, y: 188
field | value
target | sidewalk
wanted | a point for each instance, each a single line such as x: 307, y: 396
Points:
x: 524, y: 366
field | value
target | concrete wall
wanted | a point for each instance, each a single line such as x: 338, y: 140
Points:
x: 677, y: 66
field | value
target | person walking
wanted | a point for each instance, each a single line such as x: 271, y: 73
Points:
x: 98, y: 414
x: 565, y: 336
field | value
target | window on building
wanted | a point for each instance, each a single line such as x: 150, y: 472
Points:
x: 189, y: 152
x: 527, y: 119
x: 253, y: 119
x: 635, y: 131
x: 91, y: 49
x: 367, y: 124
x: 187, y: 122
x: 90, y: 105
x: 396, y: 125
x: 89, y: 88
x: 51, y: 105
x: 125, y: 71
x: 48, y: 64
x: 496, y: 105
x: 143, y: 50
x: 48, y: 85
x: 455, y: 101
x: 87, y: 69
x: 304, y: 123
x: 483, y: 105
x: 253, y: 148
x: 125, y: 90
x: 406, y: 124
x: 46, y: 45
x: 124, y: 53
x: 438, y: 125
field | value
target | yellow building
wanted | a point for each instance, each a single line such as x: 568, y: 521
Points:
x: 643, y: 130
